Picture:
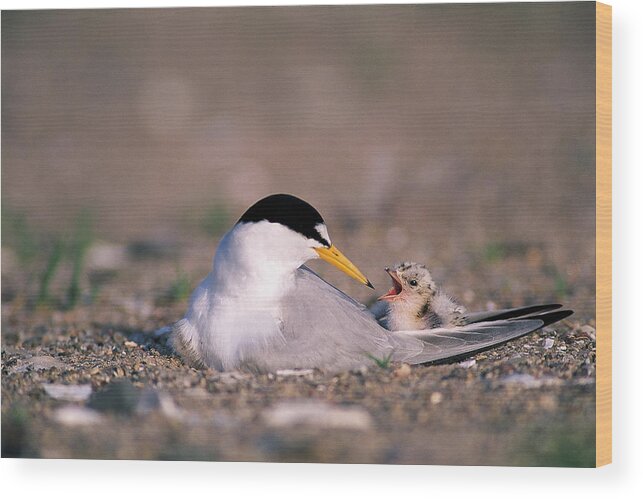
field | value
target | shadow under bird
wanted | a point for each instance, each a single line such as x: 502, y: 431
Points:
x: 262, y: 309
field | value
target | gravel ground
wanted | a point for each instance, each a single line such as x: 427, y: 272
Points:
x: 96, y: 382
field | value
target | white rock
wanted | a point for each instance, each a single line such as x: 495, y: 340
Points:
x: 436, y: 398
x: 105, y: 256
x: 231, y: 377
x: 549, y: 342
x: 585, y: 380
x: 70, y: 393
x: 38, y: 363
x: 295, y: 372
x: 318, y: 414
x: 529, y: 381
x: 404, y: 371
x: 467, y: 363
x: 73, y: 415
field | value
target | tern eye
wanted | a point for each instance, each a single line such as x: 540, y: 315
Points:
x: 413, y: 282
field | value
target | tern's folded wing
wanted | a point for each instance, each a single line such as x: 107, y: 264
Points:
x: 448, y: 345
x: 325, y: 328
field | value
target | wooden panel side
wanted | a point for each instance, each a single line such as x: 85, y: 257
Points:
x: 603, y: 234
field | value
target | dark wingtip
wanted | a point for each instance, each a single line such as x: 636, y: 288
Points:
x: 516, y: 313
x: 550, y: 317
x: 368, y: 283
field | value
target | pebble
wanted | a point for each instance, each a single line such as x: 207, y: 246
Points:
x: 119, y: 396
x: 70, y: 393
x: 549, y: 342
x: 105, y: 256
x: 73, y: 415
x: 404, y: 371
x: 586, y: 380
x: 436, y: 398
x: 130, y: 344
x: 467, y: 363
x: 231, y: 378
x: 529, y: 381
x: 317, y: 414
x: 294, y: 372
x: 38, y: 363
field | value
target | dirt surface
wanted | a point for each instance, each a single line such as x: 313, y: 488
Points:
x: 530, y: 402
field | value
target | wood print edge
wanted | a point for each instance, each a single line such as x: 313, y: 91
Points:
x: 603, y: 234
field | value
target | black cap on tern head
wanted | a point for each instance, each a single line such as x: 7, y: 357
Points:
x: 287, y: 210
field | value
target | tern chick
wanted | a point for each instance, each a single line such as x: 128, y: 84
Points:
x: 416, y: 302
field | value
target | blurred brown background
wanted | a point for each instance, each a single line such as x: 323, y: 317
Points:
x: 461, y: 136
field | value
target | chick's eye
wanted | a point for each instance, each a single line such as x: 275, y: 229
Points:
x: 413, y: 282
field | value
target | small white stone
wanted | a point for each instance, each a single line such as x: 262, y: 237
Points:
x: 294, y: 372
x: 404, y: 371
x: 73, y: 415
x: 529, y: 381
x: 586, y: 380
x: 317, y: 414
x: 467, y: 363
x: 104, y: 256
x: 70, y: 393
x: 436, y: 398
x: 549, y: 342
x: 38, y: 363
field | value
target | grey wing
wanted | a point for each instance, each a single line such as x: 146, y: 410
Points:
x: 324, y: 328
x: 443, y: 345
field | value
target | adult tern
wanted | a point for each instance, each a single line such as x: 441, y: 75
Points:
x: 262, y: 310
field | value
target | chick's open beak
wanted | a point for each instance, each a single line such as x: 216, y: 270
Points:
x: 335, y: 257
x: 395, y: 291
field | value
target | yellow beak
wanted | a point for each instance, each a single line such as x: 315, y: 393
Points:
x: 335, y: 257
